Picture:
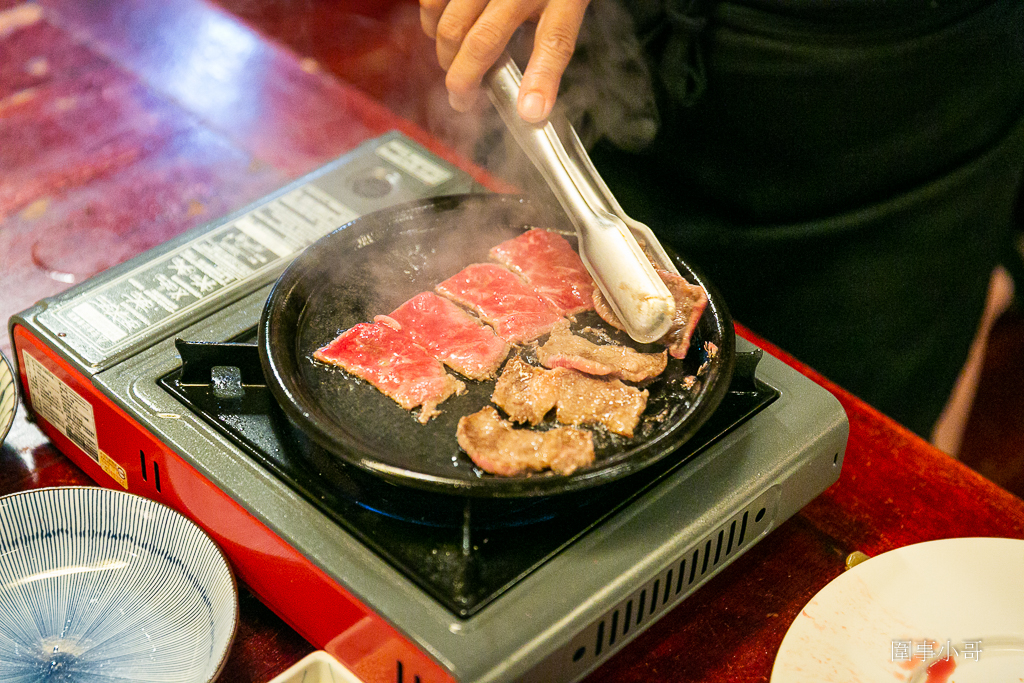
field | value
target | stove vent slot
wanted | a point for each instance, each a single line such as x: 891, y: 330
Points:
x: 674, y: 583
x: 400, y: 675
x: 145, y: 472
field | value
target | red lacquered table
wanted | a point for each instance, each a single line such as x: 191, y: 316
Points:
x: 125, y: 122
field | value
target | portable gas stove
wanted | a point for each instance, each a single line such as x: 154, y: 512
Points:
x: 121, y: 374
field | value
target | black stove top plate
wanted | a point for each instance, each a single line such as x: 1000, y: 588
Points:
x: 464, y: 552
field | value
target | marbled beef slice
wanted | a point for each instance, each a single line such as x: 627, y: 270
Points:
x: 502, y: 300
x: 551, y: 266
x: 394, y: 364
x: 450, y: 334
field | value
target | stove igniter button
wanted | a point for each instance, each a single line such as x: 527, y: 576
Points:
x: 375, y: 184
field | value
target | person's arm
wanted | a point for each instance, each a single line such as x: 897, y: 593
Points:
x: 471, y: 34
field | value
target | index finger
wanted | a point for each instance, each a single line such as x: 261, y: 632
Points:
x: 430, y: 13
x: 481, y: 46
x: 553, y: 45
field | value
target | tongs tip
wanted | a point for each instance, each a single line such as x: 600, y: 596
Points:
x: 659, y: 317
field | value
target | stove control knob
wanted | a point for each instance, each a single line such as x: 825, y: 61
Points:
x: 375, y: 184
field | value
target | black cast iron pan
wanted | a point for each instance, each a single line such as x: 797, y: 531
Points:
x: 378, y: 261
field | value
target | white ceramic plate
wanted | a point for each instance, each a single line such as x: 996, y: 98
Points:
x: 949, y: 611
x: 8, y: 397
x: 99, y: 586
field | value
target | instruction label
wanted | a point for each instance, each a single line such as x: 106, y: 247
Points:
x: 118, y: 312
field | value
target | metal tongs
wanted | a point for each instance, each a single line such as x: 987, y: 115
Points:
x: 609, y: 240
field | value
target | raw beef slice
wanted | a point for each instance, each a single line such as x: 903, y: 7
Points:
x: 502, y: 300
x: 395, y: 365
x: 551, y: 266
x: 450, y: 334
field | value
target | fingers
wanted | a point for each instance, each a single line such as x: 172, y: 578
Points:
x: 430, y: 13
x: 471, y: 34
x: 553, y: 45
x: 454, y: 23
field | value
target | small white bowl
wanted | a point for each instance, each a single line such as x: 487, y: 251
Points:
x: 317, y: 667
x: 98, y: 585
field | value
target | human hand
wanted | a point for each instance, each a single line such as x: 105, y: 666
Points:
x: 470, y: 35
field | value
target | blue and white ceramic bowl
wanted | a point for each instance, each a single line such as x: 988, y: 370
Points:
x: 98, y: 586
x: 8, y: 397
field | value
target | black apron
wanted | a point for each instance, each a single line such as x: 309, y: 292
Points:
x: 845, y: 171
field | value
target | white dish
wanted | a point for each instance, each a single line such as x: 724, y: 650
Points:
x: 961, y: 598
x: 99, y: 585
x: 317, y: 667
x: 8, y: 397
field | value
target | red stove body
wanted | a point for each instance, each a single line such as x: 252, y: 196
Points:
x: 393, y: 599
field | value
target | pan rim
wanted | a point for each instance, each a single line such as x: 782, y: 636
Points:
x: 280, y: 370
